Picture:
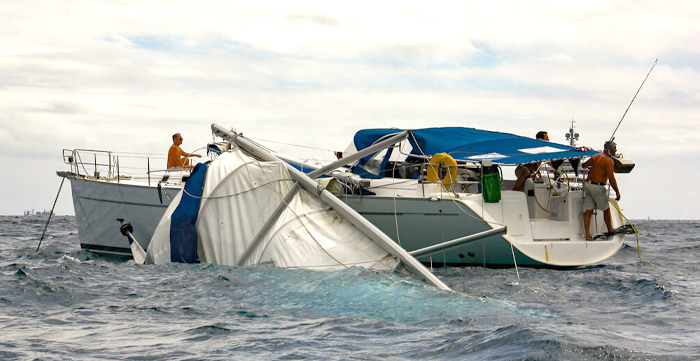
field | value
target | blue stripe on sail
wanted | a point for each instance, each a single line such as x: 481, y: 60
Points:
x: 183, y: 235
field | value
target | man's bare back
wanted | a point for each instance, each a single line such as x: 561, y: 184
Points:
x: 603, y: 168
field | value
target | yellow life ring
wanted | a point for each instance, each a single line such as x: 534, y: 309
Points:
x: 443, y: 159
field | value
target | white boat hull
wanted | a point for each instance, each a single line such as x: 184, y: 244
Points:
x: 416, y: 223
x: 420, y: 221
x: 99, y: 204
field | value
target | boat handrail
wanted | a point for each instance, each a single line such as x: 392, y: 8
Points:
x: 111, y: 165
x: 463, y: 178
x: 468, y: 174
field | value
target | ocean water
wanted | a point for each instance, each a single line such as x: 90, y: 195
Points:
x: 62, y: 303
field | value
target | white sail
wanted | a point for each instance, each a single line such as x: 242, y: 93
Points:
x: 240, y: 196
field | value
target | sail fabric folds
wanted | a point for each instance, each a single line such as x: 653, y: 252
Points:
x: 242, y: 196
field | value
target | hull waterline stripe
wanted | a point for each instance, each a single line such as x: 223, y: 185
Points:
x: 106, y: 249
x: 126, y: 203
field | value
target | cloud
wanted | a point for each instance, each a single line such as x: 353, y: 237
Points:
x: 125, y: 75
x: 314, y: 20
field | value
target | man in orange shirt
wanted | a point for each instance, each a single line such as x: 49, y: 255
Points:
x: 175, y: 154
x: 602, y: 170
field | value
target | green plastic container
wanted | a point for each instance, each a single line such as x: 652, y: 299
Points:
x: 491, y: 185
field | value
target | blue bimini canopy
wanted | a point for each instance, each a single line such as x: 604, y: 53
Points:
x: 469, y: 144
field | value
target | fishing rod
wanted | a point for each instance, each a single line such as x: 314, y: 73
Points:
x: 635, y: 97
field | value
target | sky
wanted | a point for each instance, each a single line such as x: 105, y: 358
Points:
x: 126, y: 75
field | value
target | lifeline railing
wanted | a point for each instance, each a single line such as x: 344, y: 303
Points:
x: 109, y: 165
x: 470, y: 174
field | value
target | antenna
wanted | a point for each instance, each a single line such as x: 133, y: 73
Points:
x: 572, y: 136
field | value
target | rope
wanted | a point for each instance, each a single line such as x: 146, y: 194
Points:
x: 347, y: 264
x: 261, y: 216
x: 235, y: 194
x: 639, y: 253
x: 79, y: 160
x: 296, y: 215
x: 396, y: 216
x: 393, y: 183
x: 50, y: 214
x: 512, y: 251
x: 638, y: 248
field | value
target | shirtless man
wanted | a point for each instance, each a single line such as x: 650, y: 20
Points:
x: 175, y: 154
x: 524, y: 171
x: 602, y: 166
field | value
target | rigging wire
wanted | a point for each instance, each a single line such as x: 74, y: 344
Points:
x: 290, y: 144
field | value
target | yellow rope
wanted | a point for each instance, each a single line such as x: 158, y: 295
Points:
x: 637, y: 235
x: 639, y: 252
